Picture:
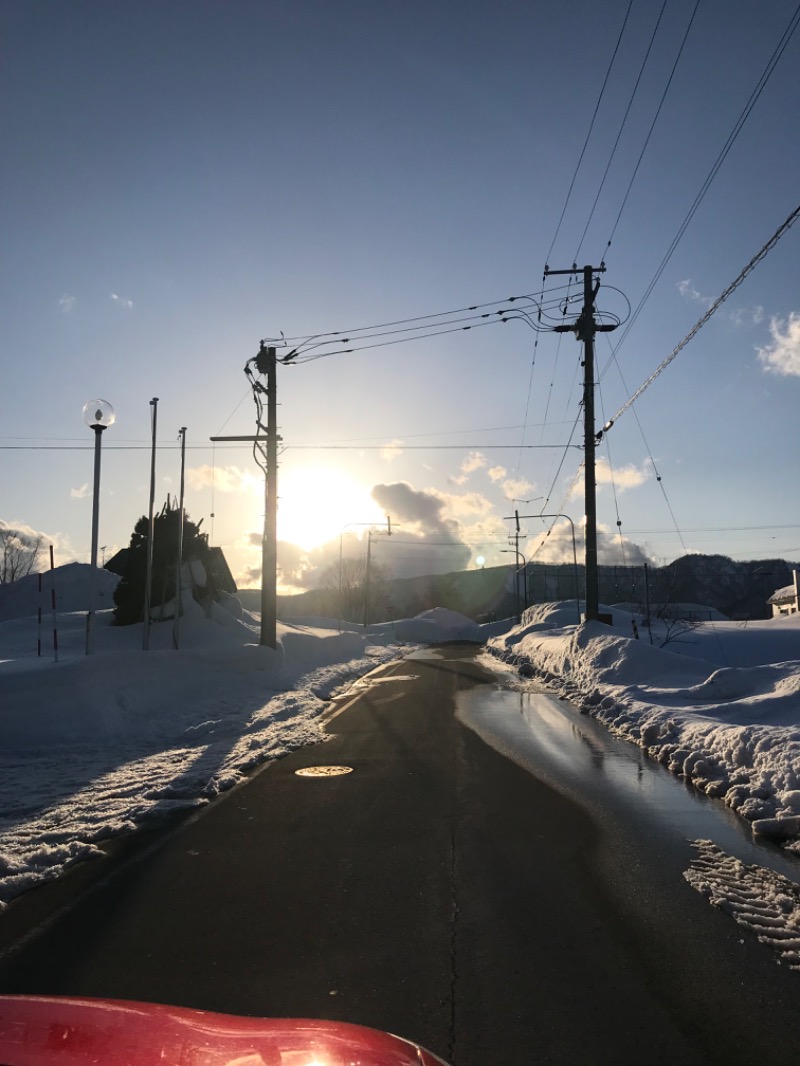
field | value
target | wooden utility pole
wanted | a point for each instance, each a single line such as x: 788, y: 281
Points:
x: 584, y: 329
x: 269, y: 553
x: 267, y: 443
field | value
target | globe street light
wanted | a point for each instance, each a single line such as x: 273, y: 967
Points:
x: 98, y: 415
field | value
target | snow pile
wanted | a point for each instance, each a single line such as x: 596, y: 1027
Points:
x: 92, y: 746
x: 733, y: 731
x: 29, y: 594
x: 438, y: 624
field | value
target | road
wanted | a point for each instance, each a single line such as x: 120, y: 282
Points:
x: 438, y: 891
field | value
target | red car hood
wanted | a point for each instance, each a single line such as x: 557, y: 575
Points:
x: 61, y: 1031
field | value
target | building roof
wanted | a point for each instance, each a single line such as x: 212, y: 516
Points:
x: 784, y: 595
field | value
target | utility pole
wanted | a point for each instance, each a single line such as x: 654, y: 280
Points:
x: 584, y: 329
x: 266, y: 441
x: 266, y: 361
x: 367, y: 573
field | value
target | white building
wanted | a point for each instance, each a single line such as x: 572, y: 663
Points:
x: 785, y: 600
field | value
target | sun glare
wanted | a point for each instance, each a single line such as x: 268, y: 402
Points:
x: 316, y: 504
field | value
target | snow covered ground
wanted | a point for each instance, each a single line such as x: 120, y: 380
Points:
x: 719, y: 706
x: 93, y: 746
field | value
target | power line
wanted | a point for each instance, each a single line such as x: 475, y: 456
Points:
x: 589, y: 133
x: 652, y: 125
x: 732, y: 136
x: 620, y: 130
x: 699, y: 325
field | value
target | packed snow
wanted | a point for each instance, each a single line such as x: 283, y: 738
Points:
x: 94, y: 746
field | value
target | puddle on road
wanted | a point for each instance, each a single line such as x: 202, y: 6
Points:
x: 574, y: 753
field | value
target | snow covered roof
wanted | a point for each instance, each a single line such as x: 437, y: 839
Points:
x: 784, y: 595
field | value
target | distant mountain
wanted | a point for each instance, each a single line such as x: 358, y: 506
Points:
x: 737, y: 590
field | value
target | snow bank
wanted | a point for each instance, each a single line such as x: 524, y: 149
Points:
x: 732, y: 731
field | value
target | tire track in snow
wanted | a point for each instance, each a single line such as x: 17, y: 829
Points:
x: 764, y: 901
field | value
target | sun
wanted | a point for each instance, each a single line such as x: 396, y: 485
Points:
x: 317, y: 503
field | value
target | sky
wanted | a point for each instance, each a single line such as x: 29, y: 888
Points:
x: 182, y: 181
x: 92, y: 746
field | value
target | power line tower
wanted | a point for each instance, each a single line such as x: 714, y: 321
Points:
x: 265, y: 452
x: 584, y: 329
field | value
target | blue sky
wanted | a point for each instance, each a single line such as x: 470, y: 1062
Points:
x: 181, y: 180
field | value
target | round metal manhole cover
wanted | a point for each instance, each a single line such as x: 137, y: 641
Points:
x: 323, y: 771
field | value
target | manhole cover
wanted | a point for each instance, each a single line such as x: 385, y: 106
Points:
x: 323, y: 771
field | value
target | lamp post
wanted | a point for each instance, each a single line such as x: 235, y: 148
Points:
x: 517, y: 516
x: 519, y: 570
x: 98, y: 415
x: 369, y: 553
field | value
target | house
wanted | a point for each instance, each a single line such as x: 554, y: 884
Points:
x: 785, y: 600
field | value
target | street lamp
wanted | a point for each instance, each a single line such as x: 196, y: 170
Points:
x: 98, y: 415
x: 520, y: 570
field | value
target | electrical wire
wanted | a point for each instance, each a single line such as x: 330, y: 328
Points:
x: 652, y: 127
x: 620, y: 131
x: 732, y: 137
x: 589, y: 133
x: 613, y: 480
x: 782, y: 229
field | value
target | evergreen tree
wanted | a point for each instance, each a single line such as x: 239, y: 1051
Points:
x: 129, y: 595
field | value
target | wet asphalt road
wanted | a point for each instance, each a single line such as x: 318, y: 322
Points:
x: 438, y: 891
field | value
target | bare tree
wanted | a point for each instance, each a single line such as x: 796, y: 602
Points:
x: 345, y: 587
x: 19, y: 553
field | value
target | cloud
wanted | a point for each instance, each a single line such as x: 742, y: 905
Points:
x: 81, y: 493
x: 689, y: 292
x: 624, y: 477
x: 123, y: 301
x: 557, y: 547
x: 497, y: 473
x: 474, y: 461
x: 22, y: 534
x: 747, y: 316
x: 621, y: 477
x: 224, y: 478
x: 740, y: 316
x: 516, y: 489
x: 392, y: 450
x: 407, y: 504
x: 782, y: 356
x: 67, y: 303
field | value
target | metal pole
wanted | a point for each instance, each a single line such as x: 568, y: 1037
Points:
x: 98, y: 435
x: 517, y: 516
x: 150, y: 529
x: 53, y: 603
x: 366, y: 576
x: 179, y: 560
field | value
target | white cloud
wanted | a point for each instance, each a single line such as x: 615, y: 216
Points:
x: 621, y: 477
x: 474, y: 461
x: 624, y: 477
x: 123, y: 301
x: 517, y: 489
x: 497, y: 473
x: 747, y: 316
x: 67, y: 303
x: 392, y: 450
x: 740, y: 316
x: 689, y: 292
x: 81, y: 493
x: 224, y: 478
x: 782, y: 356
